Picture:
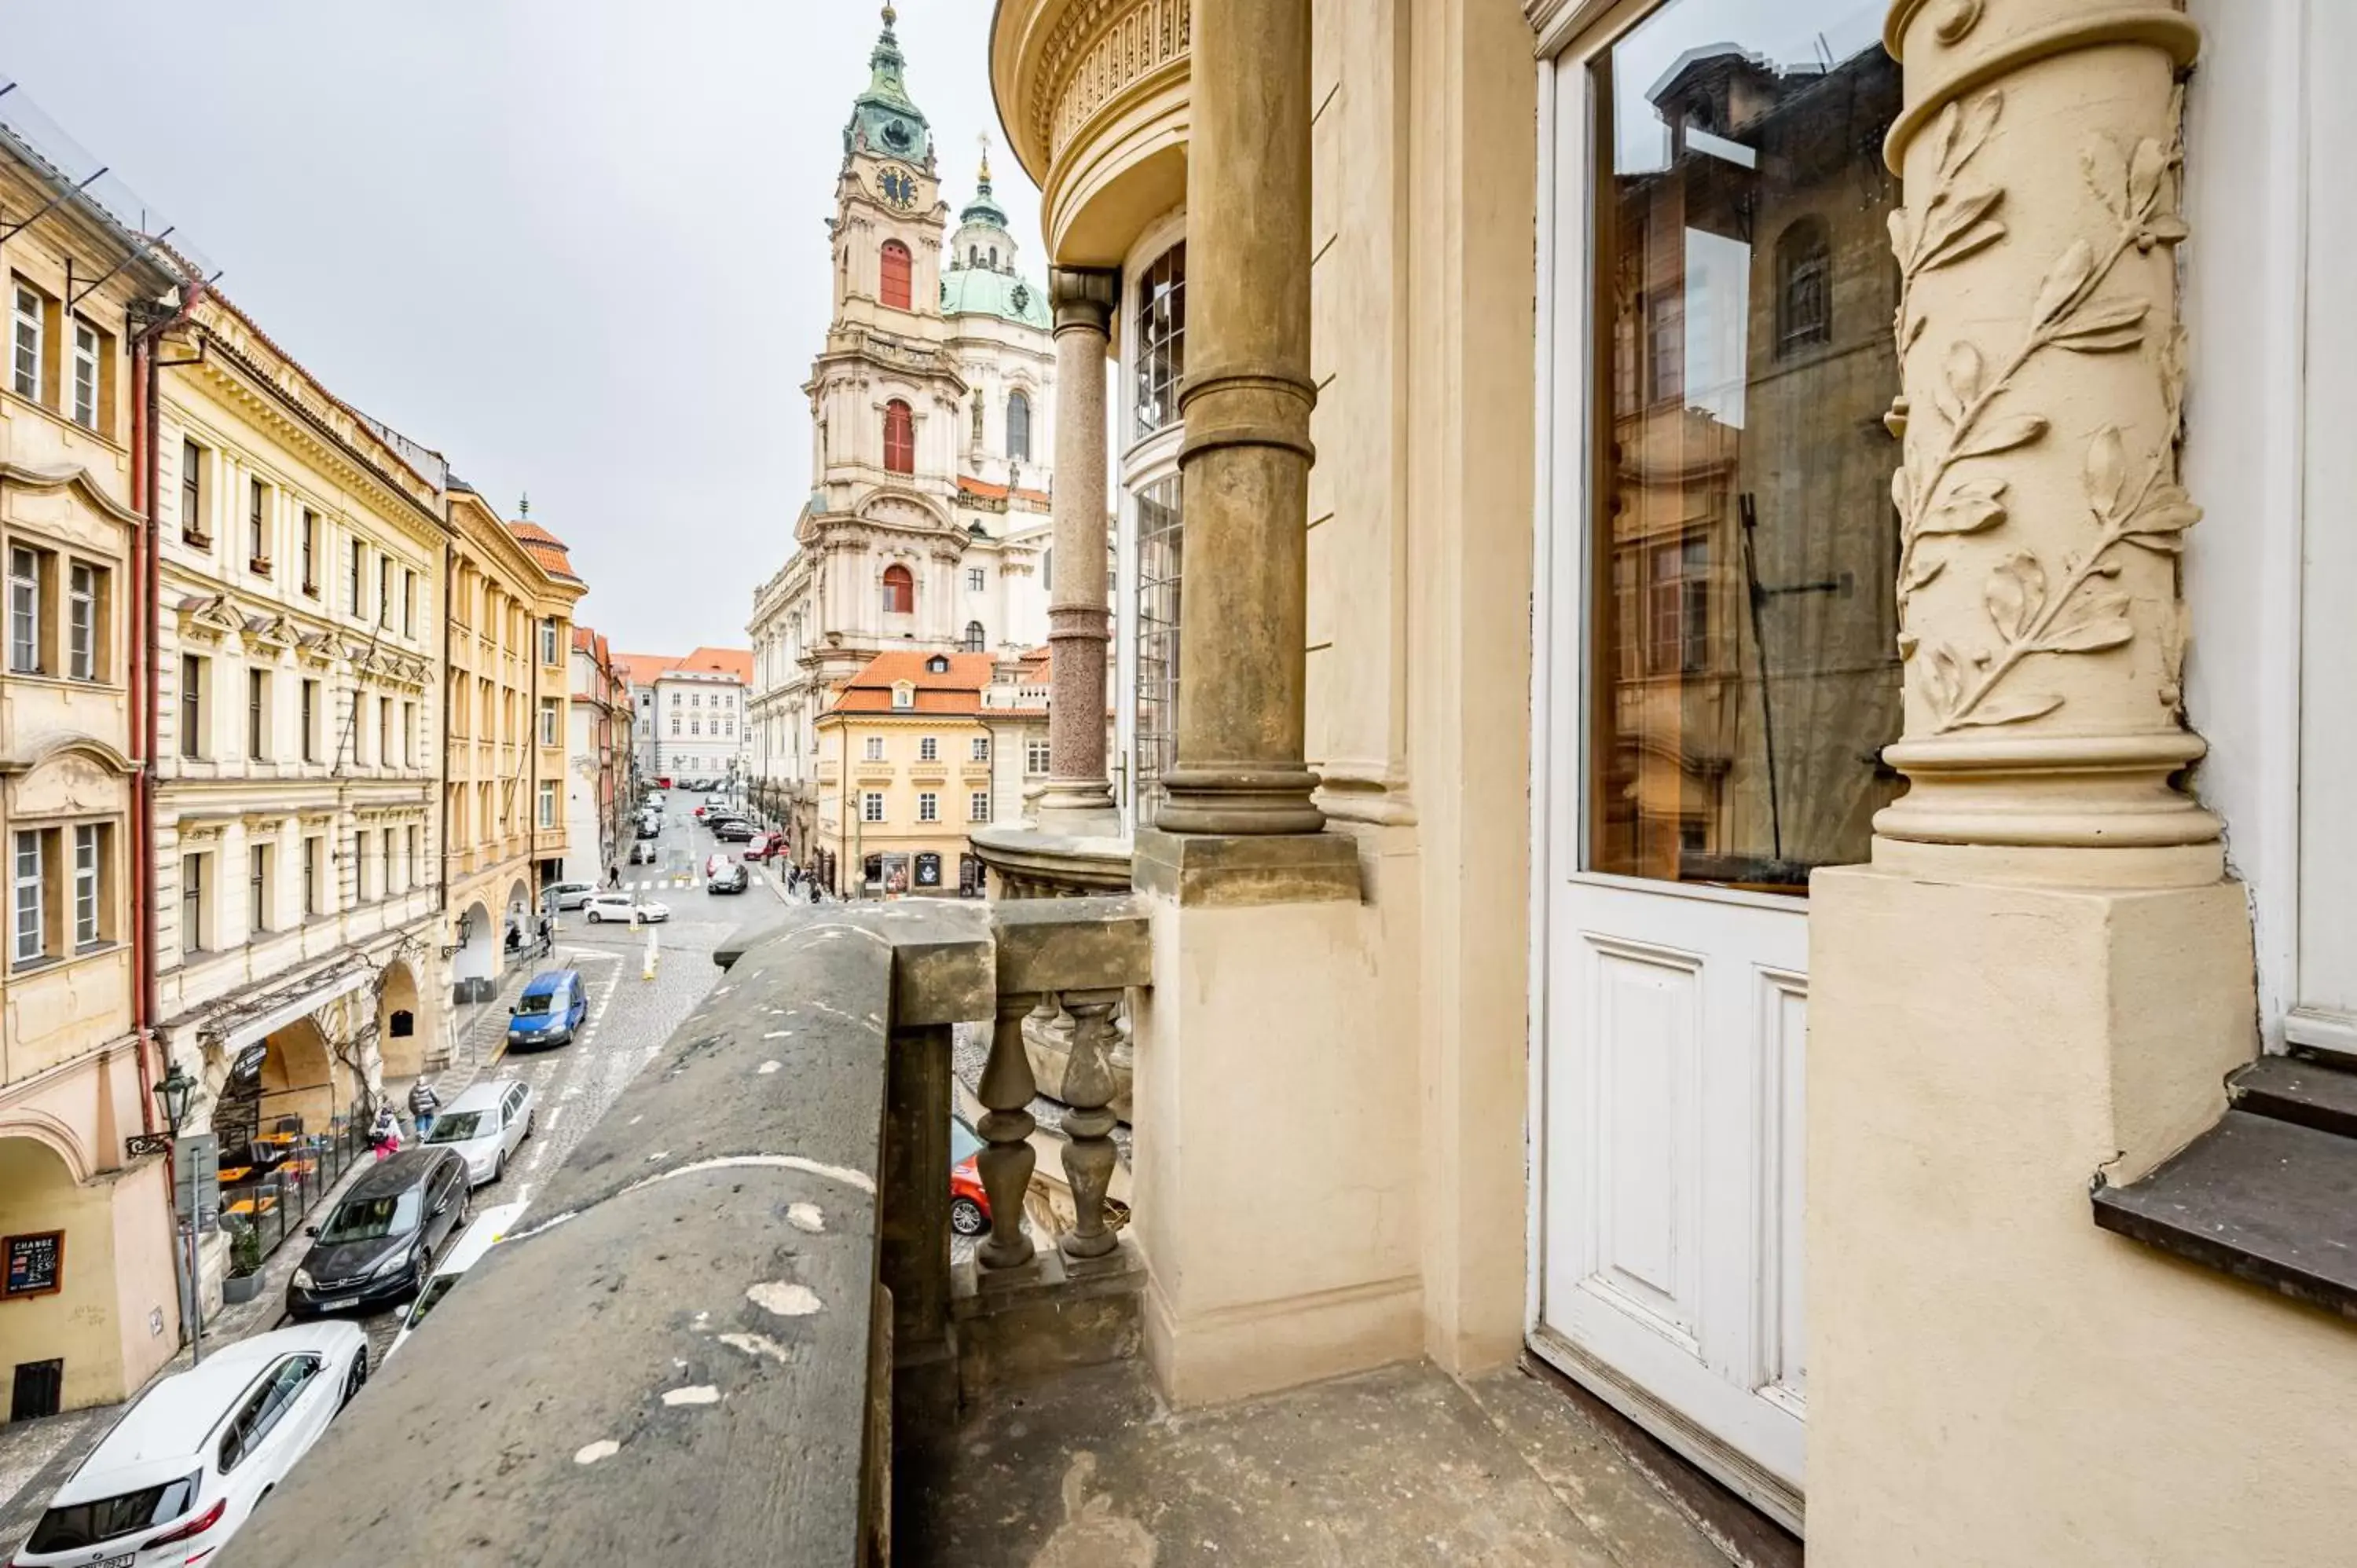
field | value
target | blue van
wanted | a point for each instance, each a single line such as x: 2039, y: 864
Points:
x: 549, y: 1010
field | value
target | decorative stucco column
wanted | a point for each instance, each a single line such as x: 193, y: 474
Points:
x: 2043, y: 374
x: 1245, y: 457
x: 2042, y: 981
x: 1078, y: 800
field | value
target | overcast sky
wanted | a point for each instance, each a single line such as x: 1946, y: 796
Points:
x: 574, y: 245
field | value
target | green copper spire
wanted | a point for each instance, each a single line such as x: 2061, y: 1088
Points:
x: 885, y: 119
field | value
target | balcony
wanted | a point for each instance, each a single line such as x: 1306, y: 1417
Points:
x: 768, y: 1355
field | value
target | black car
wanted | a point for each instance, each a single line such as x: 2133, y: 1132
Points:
x: 378, y: 1243
x: 649, y: 830
x: 733, y: 830
x: 729, y: 878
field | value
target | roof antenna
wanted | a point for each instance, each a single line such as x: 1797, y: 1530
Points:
x: 524, y: 506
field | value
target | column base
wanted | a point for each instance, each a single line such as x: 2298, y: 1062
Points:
x: 1239, y: 800
x: 1202, y: 869
x: 1078, y: 809
x: 1977, y: 1055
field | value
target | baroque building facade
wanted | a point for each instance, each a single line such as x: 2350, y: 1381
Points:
x: 99, y: 1314
x: 600, y: 779
x: 507, y: 691
x: 932, y: 434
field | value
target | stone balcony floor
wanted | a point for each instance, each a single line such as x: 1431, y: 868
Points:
x: 1405, y: 1467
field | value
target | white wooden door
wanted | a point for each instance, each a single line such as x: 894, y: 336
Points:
x: 1673, y: 1249
x: 1717, y: 674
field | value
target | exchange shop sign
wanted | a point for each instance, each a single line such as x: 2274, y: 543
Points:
x: 36, y: 1264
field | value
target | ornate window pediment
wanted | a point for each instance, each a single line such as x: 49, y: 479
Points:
x: 210, y: 619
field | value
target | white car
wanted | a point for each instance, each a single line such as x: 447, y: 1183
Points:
x: 566, y: 895
x: 490, y: 1226
x: 606, y: 907
x: 182, y: 1470
x: 486, y: 1125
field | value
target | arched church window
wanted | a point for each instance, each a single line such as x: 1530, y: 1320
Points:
x: 899, y: 438
x: 1019, y: 427
x: 973, y: 637
x: 895, y: 275
x: 899, y: 591
x: 973, y: 256
x: 994, y: 258
x: 1803, y: 286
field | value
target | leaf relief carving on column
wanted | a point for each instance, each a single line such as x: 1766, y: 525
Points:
x: 2030, y: 607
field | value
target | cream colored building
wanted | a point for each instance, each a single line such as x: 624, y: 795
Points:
x: 932, y: 442
x: 298, y: 835
x: 904, y: 774
x: 508, y: 689
x: 74, y: 1063
x: 1731, y: 909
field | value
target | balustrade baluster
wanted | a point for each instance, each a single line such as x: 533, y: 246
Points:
x: 1005, y: 1162
x: 1088, y: 1151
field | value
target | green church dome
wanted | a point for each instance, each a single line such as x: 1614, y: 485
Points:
x: 979, y: 291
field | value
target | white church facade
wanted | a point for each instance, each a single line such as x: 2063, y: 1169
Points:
x: 932, y: 409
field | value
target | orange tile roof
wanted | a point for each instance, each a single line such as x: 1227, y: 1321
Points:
x: 986, y: 490
x: 645, y: 668
x: 545, y: 548
x: 956, y: 690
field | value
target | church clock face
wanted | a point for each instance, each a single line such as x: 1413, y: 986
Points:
x: 898, y: 187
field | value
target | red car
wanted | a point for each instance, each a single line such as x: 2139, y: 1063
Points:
x: 765, y: 846
x: 969, y: 1204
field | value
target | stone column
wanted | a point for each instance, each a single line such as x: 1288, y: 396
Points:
x: 1246, y: 453
x: 2043, y: 384
x: 1078, y: 798
x: 2042, y: 981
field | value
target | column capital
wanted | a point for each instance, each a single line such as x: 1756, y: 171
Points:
x: 1084, y: 297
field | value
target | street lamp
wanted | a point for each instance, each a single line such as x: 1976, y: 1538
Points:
x: 173, y: 1095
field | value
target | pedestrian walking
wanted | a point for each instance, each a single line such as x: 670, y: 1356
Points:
x: 613, y: 876
x: 385, y: 1136
x: 422, y: 1104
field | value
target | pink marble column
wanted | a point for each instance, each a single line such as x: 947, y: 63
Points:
x: 1078, y: 798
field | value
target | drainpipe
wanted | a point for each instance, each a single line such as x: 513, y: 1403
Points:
x: 532, y: 769
x: 143, y: 732
x: 442, y: 847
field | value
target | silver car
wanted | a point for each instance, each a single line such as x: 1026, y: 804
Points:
x: 486, y: 1125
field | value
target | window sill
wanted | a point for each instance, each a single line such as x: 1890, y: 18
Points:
x: 2268, y: 1195
x: 259, y: 565
x: 195, y: 541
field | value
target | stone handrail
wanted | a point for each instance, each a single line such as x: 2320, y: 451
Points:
x: 698, y: 1347
x: 687, y: 1354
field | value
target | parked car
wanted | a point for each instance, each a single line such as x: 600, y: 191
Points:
x: 567, y: 895
x: 486, y: 1125
x: 490, y: 1227
x: 178, y: 1476
x: 728, y: 879
x: 715, y: 799
x: 619, y: 907
x: 378, y: 1244
x: 733, y: 830
x: 645, y: 854
x: 648, y: 830
x: 969, y: 1204
x: 765, y: 846
x: 553, y: 1003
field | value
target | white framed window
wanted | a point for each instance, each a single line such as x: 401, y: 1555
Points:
x: 548, y: 720
x: 82, y: 621
x: 548, y: 640
x: 86, y: 868
x: 315, y: 849
x: 257, y: 880
x: 874, y: 749
x: 929, y: 749
x: 904, y: 695
x: 976, y: 579
x: 24, y: 610
x: 871, y: 806
x: 310, y: 721
x: 978, y: 807
x: 27, y: 921
x: 982, y: 748
x: 192, y: 903
x: 85, y: 375
x: 1035, y: 757
x: 929, y: 806
x: 548, y: 802
x: 408, y: 602
x: 409, y: 735
x: 25, y: 342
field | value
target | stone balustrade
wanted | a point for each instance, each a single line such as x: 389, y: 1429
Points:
x: 731, y: 1312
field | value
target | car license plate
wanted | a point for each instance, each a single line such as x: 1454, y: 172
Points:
x: 121, y: 1562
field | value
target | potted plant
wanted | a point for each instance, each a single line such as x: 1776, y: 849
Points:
x: 244, y: 1280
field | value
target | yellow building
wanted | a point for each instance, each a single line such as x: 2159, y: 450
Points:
x: 302, y: 553
x: 906, y: 738
x: 99, y: 1312
x: 508, y: 655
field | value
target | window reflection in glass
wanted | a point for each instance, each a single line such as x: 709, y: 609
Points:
x: 1159, y: 538
x: 1161, y: 339
x: 1743, y: 663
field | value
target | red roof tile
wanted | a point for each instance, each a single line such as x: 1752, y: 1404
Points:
x: 955, y: 690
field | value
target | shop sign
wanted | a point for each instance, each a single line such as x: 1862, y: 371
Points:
x: 36, y: 1264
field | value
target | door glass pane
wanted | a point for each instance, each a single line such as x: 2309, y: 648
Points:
x: 1743, y: 663
x: 1158, y: 570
